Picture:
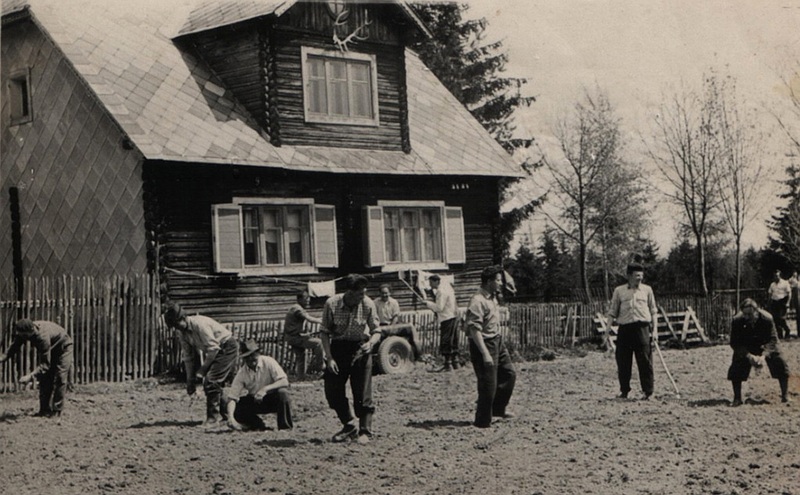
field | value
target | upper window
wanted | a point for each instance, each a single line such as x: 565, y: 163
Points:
x: 19, y: 90
x: 274, y: 236
x: 413, y: 234
x: 340, y: 88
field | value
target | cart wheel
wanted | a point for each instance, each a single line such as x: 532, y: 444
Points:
x: 395, y: 355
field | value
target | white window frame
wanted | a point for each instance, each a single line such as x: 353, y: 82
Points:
x: 286, y: 268
x: 309, y: 116
x: 392, y: 266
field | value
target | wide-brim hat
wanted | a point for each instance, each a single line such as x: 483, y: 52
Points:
x: 248, y: 348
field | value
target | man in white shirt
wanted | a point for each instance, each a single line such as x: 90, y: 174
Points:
x: 633, y: 308
x: 780, y: 296
x: 444, y: 305
x: 259, y: 387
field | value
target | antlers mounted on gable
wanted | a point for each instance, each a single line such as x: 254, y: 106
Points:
x: 358, y: 35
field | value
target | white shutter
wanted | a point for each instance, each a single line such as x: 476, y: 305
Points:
x: 374, y: 244
x: 326, y: 252
x: 455, y: 251
x: 226, y: 231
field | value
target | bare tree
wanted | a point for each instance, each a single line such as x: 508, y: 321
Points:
x: 686, y: 150
x: 740, y: 168
x: 589, y: 186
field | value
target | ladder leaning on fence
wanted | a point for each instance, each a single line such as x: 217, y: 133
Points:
x: 679, y: 326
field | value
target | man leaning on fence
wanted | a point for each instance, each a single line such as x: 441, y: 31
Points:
x: 54, y: 349
x: 633, y: 308
x: 201, y: 334
x: 294, y: 331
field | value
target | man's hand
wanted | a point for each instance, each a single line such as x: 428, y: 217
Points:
x: 487, y: 360
x: 26, y: 378
x: 366, y: 346
x: 259, y: 395
x: 332, y: 366
x: 756, y: 361
x: 3, y: 357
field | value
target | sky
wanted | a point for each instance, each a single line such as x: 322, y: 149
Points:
x: 637, y: 51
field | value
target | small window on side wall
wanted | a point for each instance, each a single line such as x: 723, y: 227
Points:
x: 19, y: 94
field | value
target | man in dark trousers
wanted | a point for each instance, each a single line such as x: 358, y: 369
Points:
x: 296, y: 336
x: 54, y: 348
x: 350, y: 329
x: 201, y: 335
x: 444, y: 305
x: 633, y: 308
x: 490, y: 358
x: 754, y: 340
x: 259, y: 387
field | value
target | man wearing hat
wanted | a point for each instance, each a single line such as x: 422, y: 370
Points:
x: 203, y: 335
x: 259, y: 387
x: 754, y: 341
x: 54, y: 348
x: 633, y: 308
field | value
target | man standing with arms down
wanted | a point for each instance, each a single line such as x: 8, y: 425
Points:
x: 780, y: 296
x: 349, y: 331
x: 490, y: 358
x: 444, y: 305
x: 54, y: 349
x: 633, y: 307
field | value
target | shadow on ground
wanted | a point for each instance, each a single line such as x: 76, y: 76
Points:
x: 438, y: 423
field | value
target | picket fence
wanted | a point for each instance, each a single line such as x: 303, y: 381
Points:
x: 119, y: 334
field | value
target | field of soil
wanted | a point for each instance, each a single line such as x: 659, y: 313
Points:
x: 571, y: 436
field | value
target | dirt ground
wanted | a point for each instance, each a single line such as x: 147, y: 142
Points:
x: 571, y: 436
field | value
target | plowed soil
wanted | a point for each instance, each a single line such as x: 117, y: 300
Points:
x: 571, y: 436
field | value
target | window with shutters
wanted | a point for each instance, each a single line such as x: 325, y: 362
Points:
x: 340, y: 88
x: 278, y: 236
x: 420, y: 234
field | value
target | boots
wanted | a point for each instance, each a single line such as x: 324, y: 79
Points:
x: 365, y: 428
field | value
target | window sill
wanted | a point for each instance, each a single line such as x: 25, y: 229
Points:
x: 262, y: 271
x: 400, y: 267
x: 321, y: 119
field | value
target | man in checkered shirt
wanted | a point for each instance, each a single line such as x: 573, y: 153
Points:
x: 349, y: 330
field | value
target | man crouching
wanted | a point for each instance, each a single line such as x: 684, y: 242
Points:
x: 259, y: 387
x: 754, y: 341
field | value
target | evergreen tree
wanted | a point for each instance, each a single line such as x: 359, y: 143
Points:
x: 786, y: 223
x: 472, y: 70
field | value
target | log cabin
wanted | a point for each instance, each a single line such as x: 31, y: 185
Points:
x: 240, y: 149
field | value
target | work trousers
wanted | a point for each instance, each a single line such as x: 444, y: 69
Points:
x: 495, y: 382
x: 53, y: 384
x: 633, y: 339
x: 448, y: 345
x: 306, y: 342
x: 777, y: 309
x: 359, y: 373
x: 275, y: 402
x: 219, y: 371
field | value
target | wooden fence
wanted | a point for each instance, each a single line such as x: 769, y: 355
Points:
x: 114, y: 324
x: 119, y: 334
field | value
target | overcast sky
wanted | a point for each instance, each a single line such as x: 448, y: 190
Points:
x: 639, y: 50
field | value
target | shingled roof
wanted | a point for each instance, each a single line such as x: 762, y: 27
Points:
x: 173, y: 108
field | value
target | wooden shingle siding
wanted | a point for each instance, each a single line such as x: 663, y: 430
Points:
x: 185, y: 194
x: 80, y: 189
